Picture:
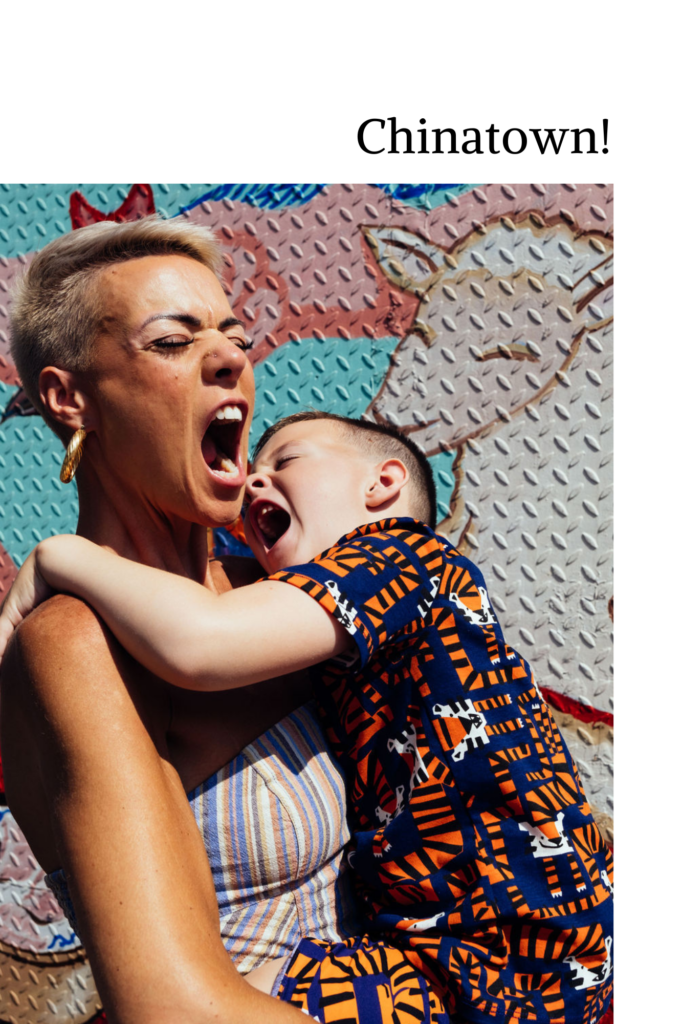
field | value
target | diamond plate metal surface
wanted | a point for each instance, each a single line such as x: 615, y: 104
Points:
x: 32, y: 215
x: 314, y: 372
x: 478, y: 318
x: 30, y: 917
x: 33, y: 503
x: 38, y: 990
x: 44, y: 974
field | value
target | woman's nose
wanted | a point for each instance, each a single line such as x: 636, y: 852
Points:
x: 224, y: 360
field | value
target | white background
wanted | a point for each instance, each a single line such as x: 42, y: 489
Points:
x: 202, y: 92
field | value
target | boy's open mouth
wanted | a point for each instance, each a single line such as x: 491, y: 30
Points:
x: 220, y: 444
x: 271, y: 521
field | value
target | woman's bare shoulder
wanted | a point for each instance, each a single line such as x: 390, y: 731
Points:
x: 62, y: 631
x: 62, y: 615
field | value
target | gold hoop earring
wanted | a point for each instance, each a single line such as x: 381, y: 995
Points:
x: 73, y: 456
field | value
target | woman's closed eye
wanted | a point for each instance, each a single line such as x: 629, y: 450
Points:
x: 243, y: 343
x: 177, y: 341
x: 172, y: 341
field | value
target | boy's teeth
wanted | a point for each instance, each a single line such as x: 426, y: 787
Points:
x: 272, y: 521
x: 227, y: 465
x: 229, y: 412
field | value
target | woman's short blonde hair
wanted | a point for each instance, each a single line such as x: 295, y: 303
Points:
x: 55, y: 310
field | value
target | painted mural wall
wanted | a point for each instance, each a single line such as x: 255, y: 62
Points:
x: 478, y: 319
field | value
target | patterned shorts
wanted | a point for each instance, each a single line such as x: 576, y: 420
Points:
x: 359, y: 981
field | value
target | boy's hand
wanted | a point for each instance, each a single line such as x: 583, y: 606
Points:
x: 28, y: 590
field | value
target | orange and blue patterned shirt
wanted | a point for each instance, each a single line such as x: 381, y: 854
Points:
x: 474, y: 848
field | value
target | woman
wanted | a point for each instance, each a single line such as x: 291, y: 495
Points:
x: 126, y: 343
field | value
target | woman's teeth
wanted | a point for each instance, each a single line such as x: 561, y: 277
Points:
x: 229, y: 412
x: 221, y: 437
x: 226, y: 467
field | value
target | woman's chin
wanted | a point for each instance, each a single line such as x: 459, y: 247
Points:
x: 218, y: 496
x: 214, y: 511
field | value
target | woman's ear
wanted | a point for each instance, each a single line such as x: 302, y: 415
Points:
x: 64, y: 399
x: 387, y: 483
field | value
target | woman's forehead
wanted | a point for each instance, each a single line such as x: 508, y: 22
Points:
x: 136, y: 289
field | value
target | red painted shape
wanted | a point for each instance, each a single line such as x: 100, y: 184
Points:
x: 583, y: 712
x: 8, y: 571
x: 19, y: 405
x: 8, y: 372
x: 392, y: 313
x: 137, y: 204
x: 289, y: 279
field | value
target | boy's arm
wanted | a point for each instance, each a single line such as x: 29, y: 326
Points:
x: 183, y: 632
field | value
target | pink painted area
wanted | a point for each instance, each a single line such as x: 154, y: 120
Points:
x: 590, y: 206
x: 10, y: 271
x: 28, y: 908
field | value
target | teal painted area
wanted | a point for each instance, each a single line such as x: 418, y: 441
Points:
x: 441, y: 465
x: 32, y: 215
x: 34, y: 504
x: 335, y: 376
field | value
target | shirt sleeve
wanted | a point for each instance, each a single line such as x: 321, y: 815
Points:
x: 375, y: 585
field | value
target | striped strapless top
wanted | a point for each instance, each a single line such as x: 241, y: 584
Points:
x: 273, y: 821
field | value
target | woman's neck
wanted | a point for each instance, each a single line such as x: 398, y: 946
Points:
x: 139, y: 532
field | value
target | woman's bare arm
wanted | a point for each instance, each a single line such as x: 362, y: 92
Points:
x: 88, y: 780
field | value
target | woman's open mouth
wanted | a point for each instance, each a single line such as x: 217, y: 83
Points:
x: 270, y: 521
x: 220, y: 445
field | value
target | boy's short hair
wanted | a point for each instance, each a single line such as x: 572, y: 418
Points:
x: 382, y: 441
x: 55, y: 311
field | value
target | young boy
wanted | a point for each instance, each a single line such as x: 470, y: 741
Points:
x: 473, y: 848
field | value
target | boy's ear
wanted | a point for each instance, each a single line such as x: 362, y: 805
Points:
x: 64, y: 399
x: 389, y: 479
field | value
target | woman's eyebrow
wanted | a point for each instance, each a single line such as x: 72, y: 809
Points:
x: 192, y: 321
x: 181, y: 318
x: 231, y: 321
